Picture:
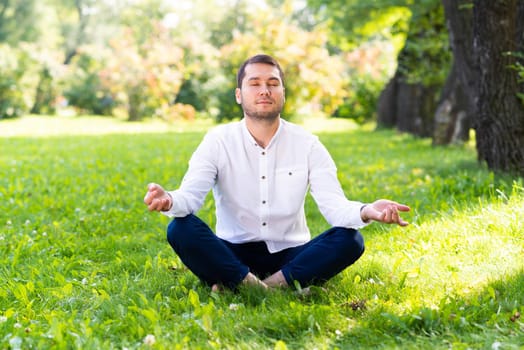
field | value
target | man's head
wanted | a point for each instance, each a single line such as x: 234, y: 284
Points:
x: 260, y: 88
x: 261, y: 58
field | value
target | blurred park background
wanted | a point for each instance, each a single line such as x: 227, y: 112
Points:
x: 447, y: 70
x: 100, y: 97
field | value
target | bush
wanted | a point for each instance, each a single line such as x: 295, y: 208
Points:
x: 46, y: 93
x: 146, y: 77
x: 178, y: 111
x: 361, y: 103
x: 13, y: 63
x: 83, y: 88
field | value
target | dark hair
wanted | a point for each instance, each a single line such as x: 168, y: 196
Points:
x: 261, y: 58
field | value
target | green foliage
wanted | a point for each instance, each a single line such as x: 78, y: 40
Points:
x: 361, y: 103
x: 426, y: 57
x: 13, y: 66
x: 144, y: 78
x: 18, y: 21
x: 46, y: 93
x: 82, y: 86
x: 84, y: 265
x: 518, y: 67
x: 201, y: 64
x: 143, y: 17
x: 181, y: 53
x: 368, y: 20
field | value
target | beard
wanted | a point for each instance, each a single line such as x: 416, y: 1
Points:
x: 267, y: 115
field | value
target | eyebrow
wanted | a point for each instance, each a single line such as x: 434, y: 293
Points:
x: 258, y: 78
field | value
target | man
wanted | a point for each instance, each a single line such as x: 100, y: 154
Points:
x: 260, y: 170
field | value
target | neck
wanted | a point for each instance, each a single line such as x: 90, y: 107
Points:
x: 262, y: 130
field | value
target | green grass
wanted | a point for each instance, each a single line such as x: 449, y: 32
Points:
x: 84, y: 265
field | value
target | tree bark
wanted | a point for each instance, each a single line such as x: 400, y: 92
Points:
x: 453, y: 114
x: 416, y: 104
x: 499, y: 123
x: 407, y: 106
x: 387, y: 105
x: 457, y: 106
x: 409, y: 100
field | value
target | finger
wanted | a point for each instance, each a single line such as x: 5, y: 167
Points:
x: 163, y: 204
x: 395, y: 218
x: 155, y: 205
x: 386, y: 215
x: 393, y: 214
x: 150, y: 196
x: 147, y: 199
x: 159, y: 204
x: 403, y: 223
x: 403, y: 207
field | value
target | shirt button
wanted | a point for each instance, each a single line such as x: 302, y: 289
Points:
x: 263, y: 153
x: 264, y: 224
x: 263, y: 177
x: 290, y: 173
x: 263, y: 202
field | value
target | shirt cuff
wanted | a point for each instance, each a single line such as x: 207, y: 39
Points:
x: 171, y: 211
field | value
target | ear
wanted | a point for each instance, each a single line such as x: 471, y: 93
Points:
x: 238, y: 96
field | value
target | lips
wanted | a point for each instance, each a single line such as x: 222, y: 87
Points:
x: 264, y: 102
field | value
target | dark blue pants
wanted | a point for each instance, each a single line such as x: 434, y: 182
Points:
x: 216, y: 261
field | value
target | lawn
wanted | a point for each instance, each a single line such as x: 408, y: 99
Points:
x: 84, y: 265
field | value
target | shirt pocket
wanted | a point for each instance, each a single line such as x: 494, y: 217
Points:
x: 291, y: 184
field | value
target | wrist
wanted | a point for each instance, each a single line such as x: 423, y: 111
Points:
x: 170, y: 200
x: 363, y: 214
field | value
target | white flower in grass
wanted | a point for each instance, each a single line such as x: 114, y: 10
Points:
x: 149, y: 339
x: 15, y: 343
x: 3, y: 319
x: 233, y: 306
x: 496, y: 345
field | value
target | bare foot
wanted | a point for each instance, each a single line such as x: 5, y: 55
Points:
x: 276, y: 280
x: 253, y: 280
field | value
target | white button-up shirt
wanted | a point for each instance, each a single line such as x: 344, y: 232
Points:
x: 260, y: 192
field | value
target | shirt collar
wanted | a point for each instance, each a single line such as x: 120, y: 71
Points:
x: 251, y: 140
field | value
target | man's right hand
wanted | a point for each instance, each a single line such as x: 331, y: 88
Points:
x: 157, y: 198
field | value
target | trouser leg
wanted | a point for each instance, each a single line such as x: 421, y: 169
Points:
x: 324, y: 256
x: 204, y: 253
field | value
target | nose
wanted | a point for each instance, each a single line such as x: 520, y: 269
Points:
x: 264, y: 90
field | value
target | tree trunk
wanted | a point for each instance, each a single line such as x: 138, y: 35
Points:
x: 499, y: 123
x: 416, y: 104
x: 387, y: 105
x: 407, y: 106
x: 409, y: 100
x: 457, y: 106
x: 79, y: 38
x: 453, y: 114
